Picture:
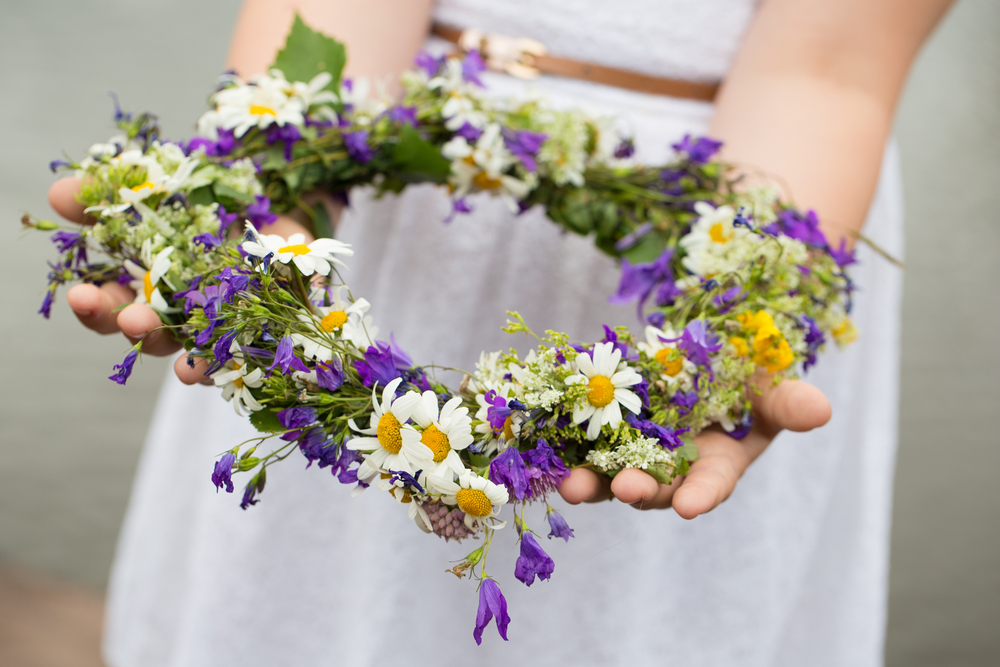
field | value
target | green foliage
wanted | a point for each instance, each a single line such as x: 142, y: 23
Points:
x: 266, y: 421
x: 416, y: 160
x: 308, y: 53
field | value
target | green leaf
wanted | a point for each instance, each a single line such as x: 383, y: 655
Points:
x: 308, y: 52
x: 266, y: 421
x: 275, y: 158
x: 202, y: 196
x: 223, y: 191
x: 322, y: 225
x: 647, y: 249
x: 661, y: 472
x: 418, y: 160
x: 689, y: 451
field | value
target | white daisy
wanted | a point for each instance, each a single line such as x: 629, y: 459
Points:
x: 146, y: 280
x: 393, y: 444
x: 482, y: 167
x: 445, y: 433
x: 266, y: 100
x: 316, y: 257
x: 711, y: 239
x: 342, y: 319
x: 479, y: 498
x: 236, y: 384
x: 606, y: 380
x: 676, y: 367
x: 313, y: 93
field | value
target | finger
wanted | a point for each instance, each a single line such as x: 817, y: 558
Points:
x: 584, y: 485
x: 139, y: 321
x: 792, y: 405
x: 191, y: 375
x: 639, y: 489
x: 722, y: 460
x: 62, y: 198
x: 95, y: 306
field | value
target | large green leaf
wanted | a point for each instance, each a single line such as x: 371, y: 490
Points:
x: 266, y: 421
x: 417, y: 160
x: 647, y: 249
x: 308, y: 52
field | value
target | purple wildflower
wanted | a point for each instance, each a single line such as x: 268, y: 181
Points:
x: 668, y: 439
x: 472, y: 67
x: 429, y: 63
x: 330, y: 374
x: 458, y: 206
x: 296, y: 419
x: 66, y: 240
x: 725, y: 301
x: 698, y: 342
x: 699, y: 150
x: 544, y: 469
x: 208, y: 240
x: 357, y: 146
x: 794, y: 225
x: 249, y: 494
x: 814, y: 340
x: 501, y: 409
x: 469, y: 132
x: 223, y: 346
x: 403, y: 115
x: 742, y: 429
x: 285, y: 357
x: 558, y: 526
x: 287, y: 133
x: 408, y: 480
x: 533, y: 561
x: 259, y: 212
x: 378, y: 366
x: 508, y: 470
x: 223, y: 473
x: 524, y: 145
x: 124, y: 369
x: 226, y: 219
x: 685, y: 400
x: 639, y: 280
x: 612, y: 337
x: 46, y: 307
x: 491, y: 603
x: 55, y: 165
x: 633, y: 237
x: 841, y: 255
x: 625, y: 149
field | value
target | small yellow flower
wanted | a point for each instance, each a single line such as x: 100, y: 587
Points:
x: 741, y: 345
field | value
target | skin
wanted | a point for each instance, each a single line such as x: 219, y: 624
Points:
x: 811, y: 96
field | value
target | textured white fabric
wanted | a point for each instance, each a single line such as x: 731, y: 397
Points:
x: 792, y: 570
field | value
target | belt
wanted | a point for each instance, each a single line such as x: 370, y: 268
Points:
x: 527, y: 59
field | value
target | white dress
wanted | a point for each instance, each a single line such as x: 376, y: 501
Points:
x: 792, y: 570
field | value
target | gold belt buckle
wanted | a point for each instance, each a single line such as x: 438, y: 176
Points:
x: 514, y: 55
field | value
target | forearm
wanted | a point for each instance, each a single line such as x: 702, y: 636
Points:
x: 811, y: 97
x: 382, y: 36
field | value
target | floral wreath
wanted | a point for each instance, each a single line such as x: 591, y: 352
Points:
x: 737, y: 280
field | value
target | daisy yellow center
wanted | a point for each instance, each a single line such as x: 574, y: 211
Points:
x: 297, y: 249
x: 670, y: 366
x: 437, y: 442
x: 600, y: 391
x: 508, y: 429
x: 485, y: 182
x: 238, y: 381
x: 388, y: 433
x: 146, y: 184
x: 333, y: 321
x: 718, y: 233
x: 474, y: 502
x: 260, y: 110
x: 147, y: 285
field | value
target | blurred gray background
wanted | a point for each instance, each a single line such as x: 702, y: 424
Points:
x: 69, y: 439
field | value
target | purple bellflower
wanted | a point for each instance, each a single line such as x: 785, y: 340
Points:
x: 285, y: 358
x: 459, y: 205
x: 639, y: 280
x: 46, y: 307
x: 558, y: 526
x: 296, y: 418
x: 259, y: 212
x: 330, y: 374
x: 668, y: 439
x: 472, y: 67
x: 814, y: 341
x: 223, y: 473
x: 403, y: 115
x: 842, y: 256
x: 491, y: 603
x: 685, y: 400
x: 357, y: 146
x: 288, y: 133
x: 509, y: 470
x: 124, y: 369
x: 533, y: 561
x: 378, y: 365
x: 429, y: 63
x: 524, y: 145
x: 544, y: 469
x: 698, y: 342
x: 699, y: 150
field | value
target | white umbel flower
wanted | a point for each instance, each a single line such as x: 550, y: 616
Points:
x: 445, y: 432
x: 392, y: 443
x: 236, y: 384
x: 606, y: 381
x: 482, y: 167
x: 479, y: 498
x: 146, y: 279
x: 316, y: 257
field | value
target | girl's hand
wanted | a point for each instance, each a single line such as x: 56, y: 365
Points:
x: 792, y: 405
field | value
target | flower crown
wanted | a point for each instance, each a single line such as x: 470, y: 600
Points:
x: 734, y: 281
